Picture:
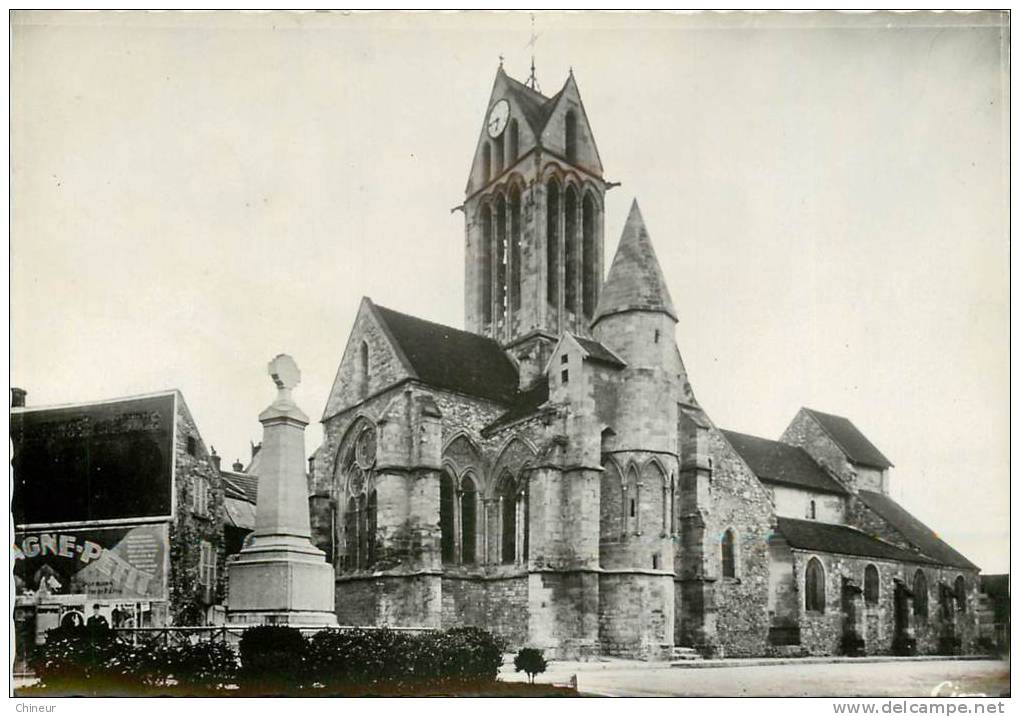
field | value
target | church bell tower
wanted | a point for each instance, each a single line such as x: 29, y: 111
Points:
x: 534, y: 211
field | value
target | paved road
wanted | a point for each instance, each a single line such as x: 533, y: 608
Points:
x: 878, y: 679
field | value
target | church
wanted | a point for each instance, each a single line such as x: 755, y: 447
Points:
x: 548, y: 473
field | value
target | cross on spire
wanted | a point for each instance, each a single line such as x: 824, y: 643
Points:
x: 533, y: 79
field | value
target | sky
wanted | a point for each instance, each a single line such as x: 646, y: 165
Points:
x: 194, y: 193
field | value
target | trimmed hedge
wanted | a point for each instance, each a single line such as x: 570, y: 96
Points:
x: 273, y: 659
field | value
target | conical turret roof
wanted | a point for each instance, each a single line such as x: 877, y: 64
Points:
x: 635, y: 279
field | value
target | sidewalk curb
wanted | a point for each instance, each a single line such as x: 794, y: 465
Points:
x: 764, y: 661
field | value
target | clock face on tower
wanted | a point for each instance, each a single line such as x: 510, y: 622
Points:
x: 498, y: 117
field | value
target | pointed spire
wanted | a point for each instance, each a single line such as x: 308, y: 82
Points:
x: 635, y: 279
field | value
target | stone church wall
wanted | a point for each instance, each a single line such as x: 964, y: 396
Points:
x: 498, y: 603
x: 636, y: 615
x: 738, y: 502
x: 805, y: 432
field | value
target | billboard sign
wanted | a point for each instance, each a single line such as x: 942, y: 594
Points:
x: 94, y: 463
x: 104, y: 563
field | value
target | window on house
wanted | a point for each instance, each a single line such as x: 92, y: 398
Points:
x: 729, y: 561
x: 565, y: 376
x: 814, y: 587
x: 920, y: 596
x: 468, y: 520
x: 446, y: 522
x: 207, y: 564
x: 871, y: 585
x: 563, y: 358
x: 960, y: 592
x: 200, y: 498
x: 192, y: 446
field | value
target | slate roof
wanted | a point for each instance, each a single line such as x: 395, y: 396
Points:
x: 245, y: 486
x: 525, y: 404
x: 635, y: 279
x: 842, y: 539
x: 854, y: 443
x: 537, y: 108
x: 598, y: 352
x: 775, y: 462
x: 448, y: 358
x: 916, y: 532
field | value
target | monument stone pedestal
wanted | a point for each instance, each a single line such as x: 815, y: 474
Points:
x: 280, y: 577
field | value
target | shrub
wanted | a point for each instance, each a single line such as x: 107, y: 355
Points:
x: 470, y: 654
x: 206, y: 665
x: 273, y: 656
x: 74, y: 656
x: 531, y: 661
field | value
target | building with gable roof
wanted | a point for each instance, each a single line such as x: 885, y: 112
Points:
x: 548, y: 473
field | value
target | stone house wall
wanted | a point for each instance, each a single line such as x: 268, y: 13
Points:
x: 189, y: 599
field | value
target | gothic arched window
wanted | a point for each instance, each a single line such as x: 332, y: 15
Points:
x: 814, y: 586
x: 920, y: 595
x: 497, y: 147
x: 570, y: 267
x: 468, y: 520
x: 446, y: 519
x: 485, y: 259
x: 871, y: 585
x: 515, y: 249
x: 513, y: 141
x: 570, y: 131
x: 486, y: 162
x: 589, y: 280
x: 501, y: 258
x: 960, y: 592
x: 552, y: 246
x: 508, y: 510
x: 371, y: 523
x: 611, y: 524
x: 351, y: 535
x: 729, y: 558
x: 632, y: 502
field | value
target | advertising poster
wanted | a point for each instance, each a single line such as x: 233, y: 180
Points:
x: 117, y: 563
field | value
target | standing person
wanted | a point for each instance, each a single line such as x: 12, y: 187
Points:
x: 97, y: 622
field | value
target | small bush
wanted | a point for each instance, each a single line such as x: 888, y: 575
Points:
x: 530, y: 661
x: 273, y: 656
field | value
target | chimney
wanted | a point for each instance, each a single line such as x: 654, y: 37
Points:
x: 238, y: 467
x: 214, y: 458
x: 18, y: 397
